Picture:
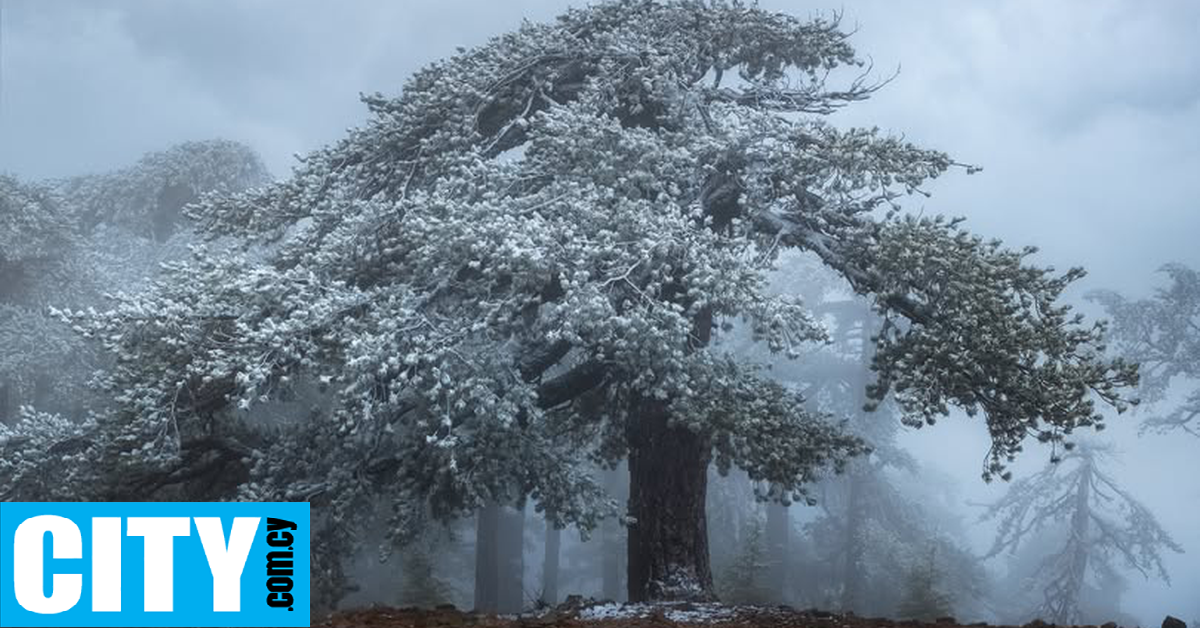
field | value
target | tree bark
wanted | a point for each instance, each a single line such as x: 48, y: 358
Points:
x: 487, y: 567
x: 550, y: 563
x: 668, y: 539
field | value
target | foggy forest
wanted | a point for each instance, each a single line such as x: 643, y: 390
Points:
x: 695, y: 311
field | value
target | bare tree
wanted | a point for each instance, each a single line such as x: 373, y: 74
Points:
x: 1104, y: 523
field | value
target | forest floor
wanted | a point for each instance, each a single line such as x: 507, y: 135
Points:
x: 629, y: 616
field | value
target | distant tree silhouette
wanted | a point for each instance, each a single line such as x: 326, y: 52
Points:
x: 1105, y: 524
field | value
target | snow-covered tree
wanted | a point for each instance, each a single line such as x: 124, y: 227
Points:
x: 1105, y: 526
x: 518, y: 266
x: 34, y: 233
x: 34, y: 230
x: 67, y: 243
x: 1162, y: 333
x: 148, y: 198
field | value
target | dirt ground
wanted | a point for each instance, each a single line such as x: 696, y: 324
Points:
x: 630, y: 616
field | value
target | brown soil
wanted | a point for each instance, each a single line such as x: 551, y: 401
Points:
x: 659, y: 616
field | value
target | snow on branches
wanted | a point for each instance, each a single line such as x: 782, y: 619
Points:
x: 32, y: 226
x: 149, y: 196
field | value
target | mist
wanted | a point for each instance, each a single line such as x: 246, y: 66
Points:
x: 1084, y: 118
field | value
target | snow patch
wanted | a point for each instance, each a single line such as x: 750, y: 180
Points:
x: 612, y: 610
x: 679, y: 612
x: 701, y: 614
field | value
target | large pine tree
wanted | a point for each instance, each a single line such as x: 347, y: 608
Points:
x: 519, y: 264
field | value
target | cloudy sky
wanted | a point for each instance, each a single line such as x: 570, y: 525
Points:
x: 1084, y: 114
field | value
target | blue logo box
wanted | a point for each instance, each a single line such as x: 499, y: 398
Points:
x: 154, y: 564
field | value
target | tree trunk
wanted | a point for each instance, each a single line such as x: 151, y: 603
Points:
x: 1064, y: 602
x: 511, y: 553
x: 611, y: 539
x: 778, y: 529
x: 550, y: 563
x: 854, y: 581
x: 668, y: 539
x: 855, y: 551
x: 487, y: 564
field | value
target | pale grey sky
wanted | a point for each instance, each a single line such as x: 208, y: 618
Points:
x: 1085, y: 115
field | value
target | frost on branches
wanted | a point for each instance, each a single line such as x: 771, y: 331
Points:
x: 1162, y: 333
x: 67, y: 243
x: 32, y: 228
x: 518, y: 265
x: 147, y: 198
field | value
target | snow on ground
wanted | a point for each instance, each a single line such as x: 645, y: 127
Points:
x: 681, y: 612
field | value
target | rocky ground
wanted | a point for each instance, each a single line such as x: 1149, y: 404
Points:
x: 636, y: 616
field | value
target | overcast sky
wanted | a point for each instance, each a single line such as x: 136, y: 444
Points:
x: 1084, y: 114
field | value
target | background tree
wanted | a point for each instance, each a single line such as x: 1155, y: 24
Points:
x: 34, y: 230
x: 65, y: 243
x: 551, y: 562
x: 777, y: 535
x: 924, y: 596
x: 487, y: 559
x: 1018, y: 595
x: 148, y: 198
x: 613, y: 536
x: 518, y: 265
x: 746, y: 577
x: 883, y: 510
x: 1104, y: 524
x: 36, y: 237
x: 428, y: 571
x: 1162, y: 333
x: 420, y: 584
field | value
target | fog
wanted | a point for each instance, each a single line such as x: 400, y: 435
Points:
x: 1084, y: 116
